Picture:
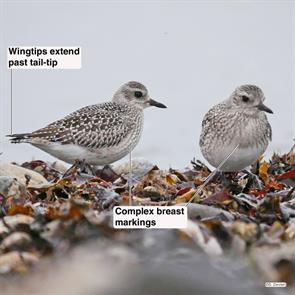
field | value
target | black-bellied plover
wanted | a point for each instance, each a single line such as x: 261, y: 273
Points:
x: 238, y: 122
x: 99, y: 134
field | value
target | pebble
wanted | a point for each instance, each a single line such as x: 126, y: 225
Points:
x: 10, y: 186
x: 140, y: 167
x: 16, y: 240
x: 204, y: 211
x: 22, y: 175
x: 18, y: 220
x: 16, y: 261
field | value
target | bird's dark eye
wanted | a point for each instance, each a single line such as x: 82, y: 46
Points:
x: 138, y: 94
x: 245, y: 98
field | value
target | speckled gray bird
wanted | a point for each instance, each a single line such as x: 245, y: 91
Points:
x: 99, y: 134
x: 239, y: 120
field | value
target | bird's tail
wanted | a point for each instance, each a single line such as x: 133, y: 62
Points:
x: 19, y: 138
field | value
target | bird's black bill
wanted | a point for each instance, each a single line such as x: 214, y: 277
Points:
x: 264, y: 108
x: 157, y: 104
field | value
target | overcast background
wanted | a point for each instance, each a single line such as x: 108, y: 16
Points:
x: 190, y: 55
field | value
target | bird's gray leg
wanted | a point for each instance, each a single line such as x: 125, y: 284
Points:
x: 70, y: 170
x: 225, y: 181
x: 219, y: 176
x: 86, y: 168
x: 253, y: 179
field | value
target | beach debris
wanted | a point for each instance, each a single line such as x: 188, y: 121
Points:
x: 47, y: 218
x: 25, y: 176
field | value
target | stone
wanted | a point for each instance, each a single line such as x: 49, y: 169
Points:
x: 11, y: 187
x: 23, y: 175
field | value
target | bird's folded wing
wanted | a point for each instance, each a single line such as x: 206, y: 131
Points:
x: 96, y: 129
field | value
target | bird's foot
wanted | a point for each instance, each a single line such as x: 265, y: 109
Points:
x: 216, y: 176
x: 228, y: 181
x: 80, y: 167
x: 225, y: 179
x: 253, y: 181
x: 198, y: 165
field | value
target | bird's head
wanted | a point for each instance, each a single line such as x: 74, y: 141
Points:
x: 137, y: 94
x: 248, y: 98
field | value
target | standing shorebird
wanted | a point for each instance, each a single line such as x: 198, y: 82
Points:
x: 238, y: 122
x: 99, y: 134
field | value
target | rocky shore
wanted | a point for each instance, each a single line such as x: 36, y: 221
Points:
x: 56, y: 234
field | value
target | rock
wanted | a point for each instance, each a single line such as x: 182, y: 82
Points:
x: 288, y: 209
x: 204, y: 211
x: 53, y: 230
x: 59, y: 166
x: 140, y: 167
x: 11, y: 187
x: 238, y: 245
x: 208, y: 244
x: 15, y: 241
x: 246, y: 231
x: 16, y: 261
x: 4, y: 230
x: 290, y: 231
x: 105, y: 267
x: 267, y: 260
x: 18, y: 221
x: 108, y: 198
x: 23, y: 175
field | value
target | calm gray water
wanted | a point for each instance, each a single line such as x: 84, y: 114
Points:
x: 191, y: 55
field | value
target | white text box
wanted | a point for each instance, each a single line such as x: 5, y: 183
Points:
x: 43, y: 57
x: 150, y: 217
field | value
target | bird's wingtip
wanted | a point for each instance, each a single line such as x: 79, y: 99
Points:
x: 17, y: 138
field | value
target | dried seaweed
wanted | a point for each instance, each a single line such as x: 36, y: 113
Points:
x: 49, y: 219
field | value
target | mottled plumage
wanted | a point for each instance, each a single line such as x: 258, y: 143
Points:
x: 238, y: 120
x: 99, y: 134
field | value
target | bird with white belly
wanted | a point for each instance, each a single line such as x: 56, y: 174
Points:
x: 237, y: 124
x: 98, y: 134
